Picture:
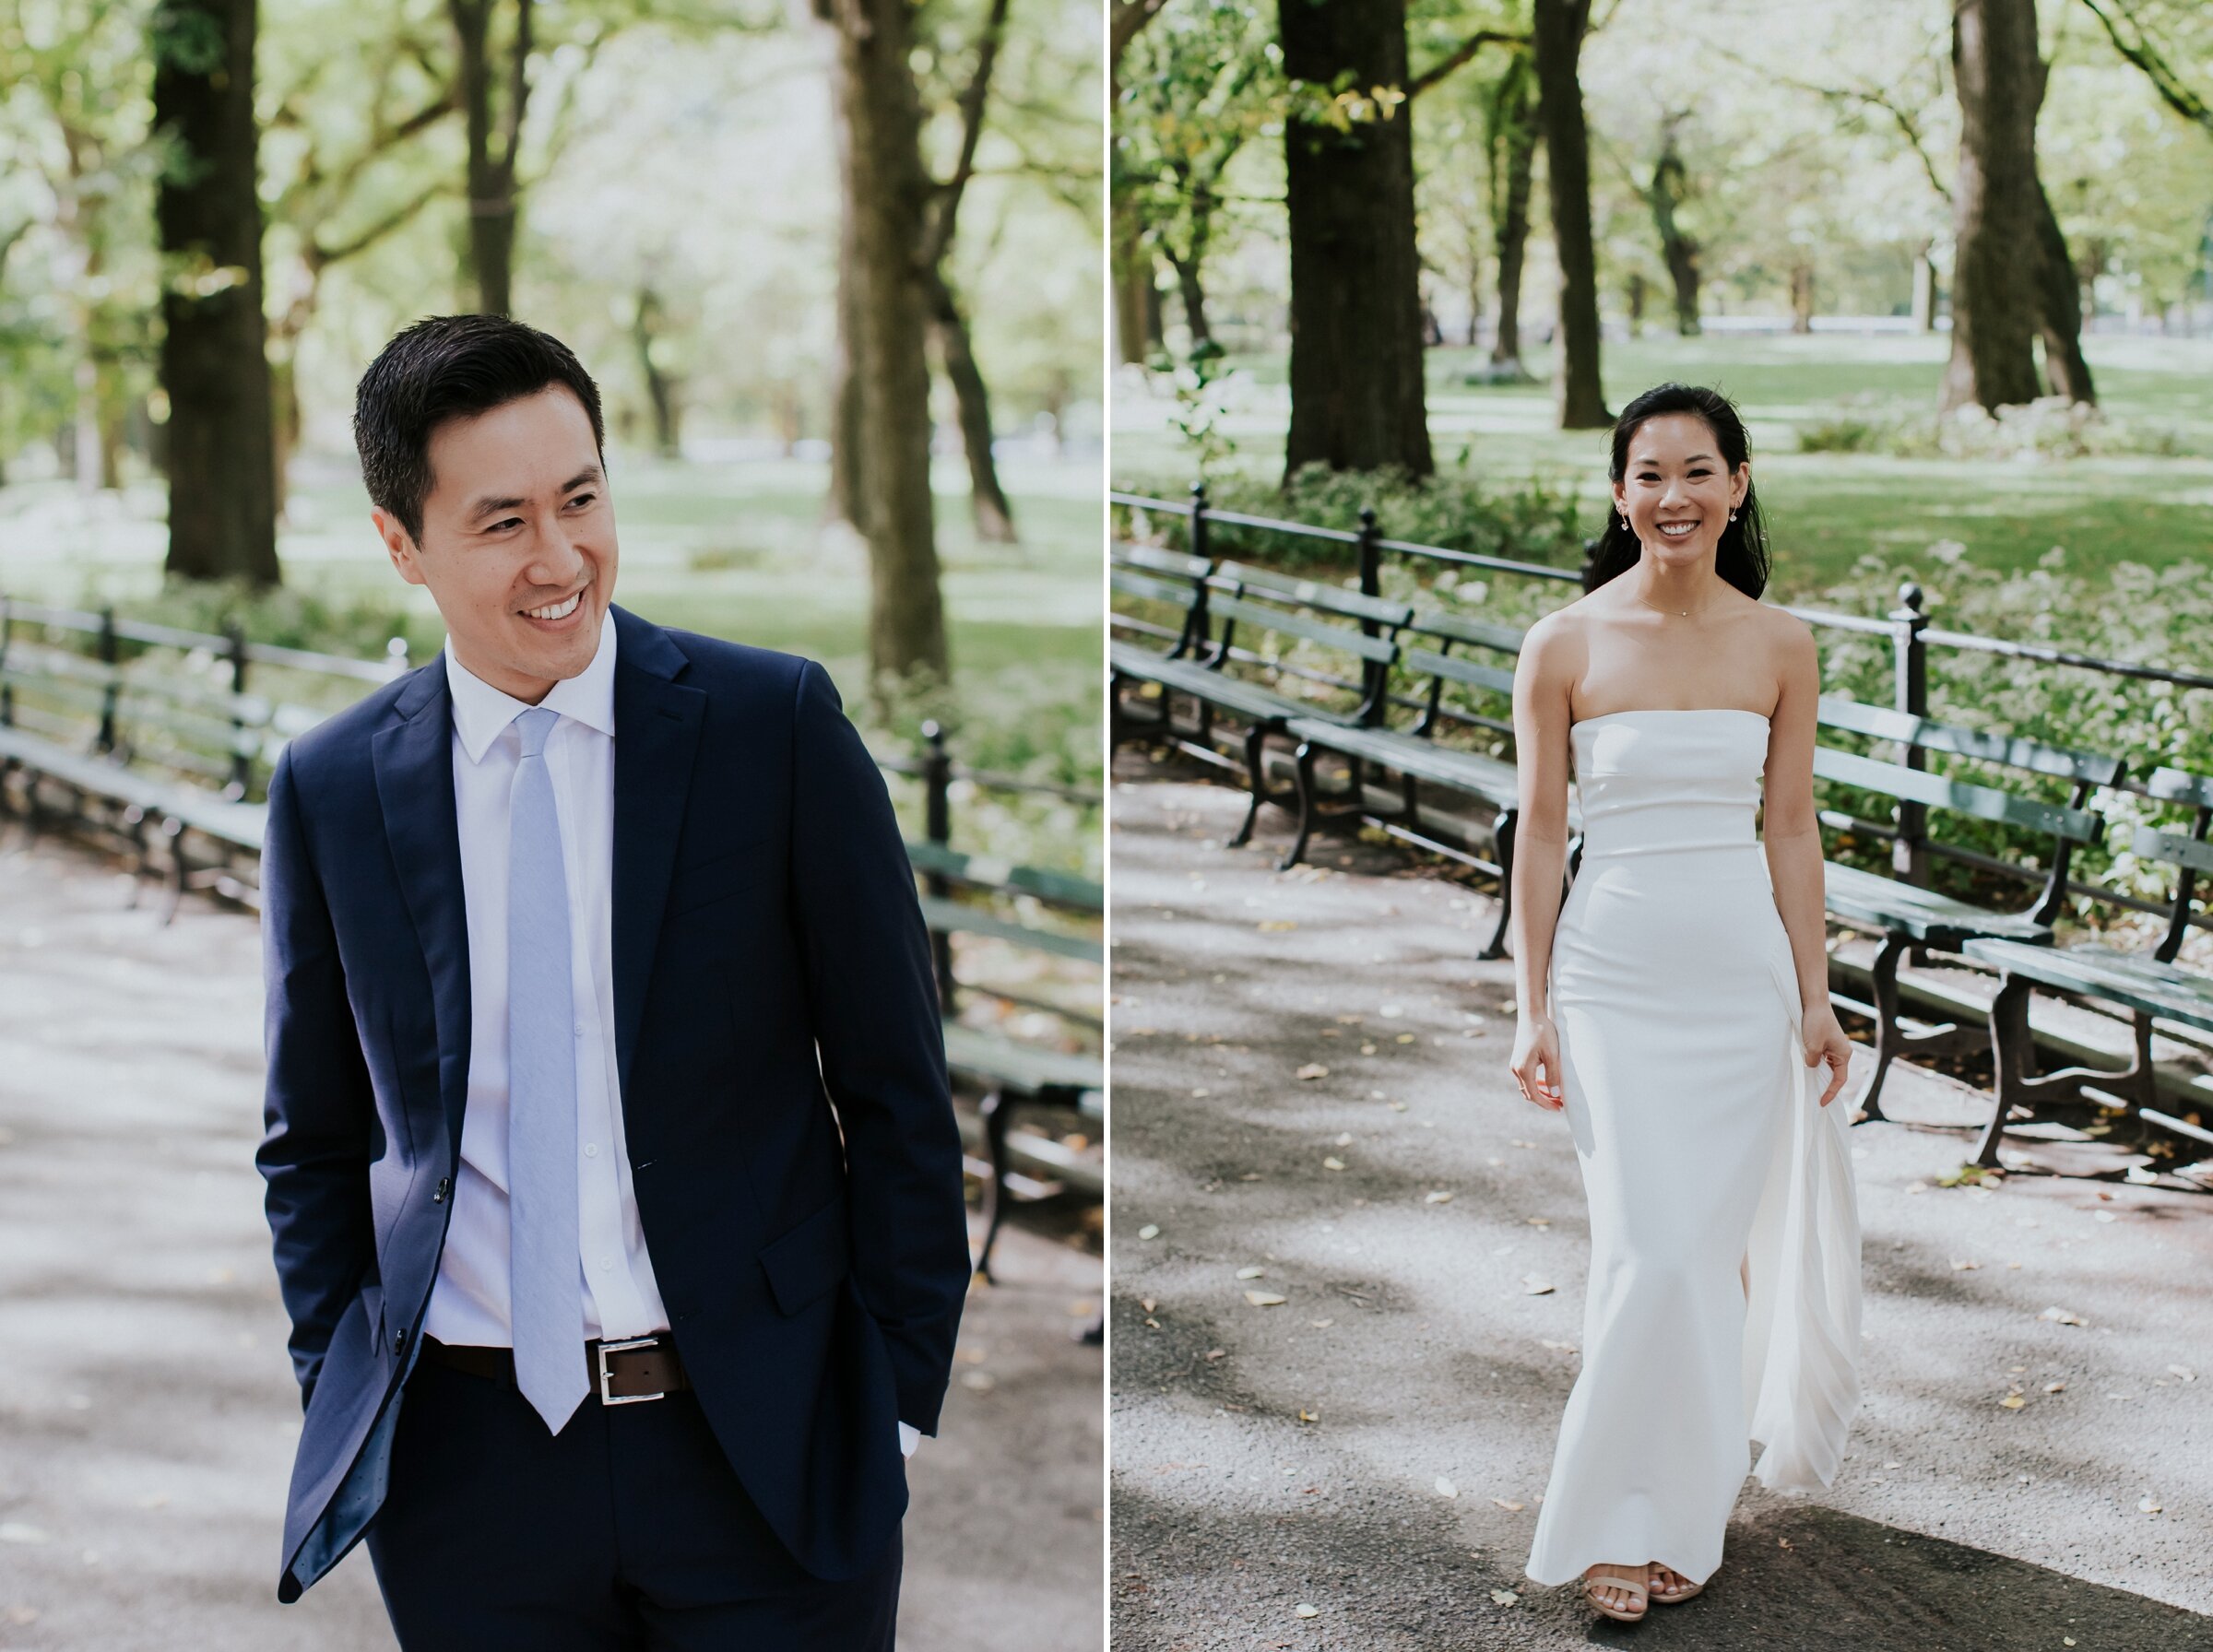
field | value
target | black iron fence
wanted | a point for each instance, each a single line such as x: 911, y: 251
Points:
x: 1906, y: 627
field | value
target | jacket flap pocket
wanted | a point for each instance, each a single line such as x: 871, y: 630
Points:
x: 805, y: 1260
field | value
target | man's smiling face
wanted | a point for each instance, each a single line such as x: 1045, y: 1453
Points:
x: 518, y: 541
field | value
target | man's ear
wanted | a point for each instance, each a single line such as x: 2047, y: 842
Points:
x: 399, y: 545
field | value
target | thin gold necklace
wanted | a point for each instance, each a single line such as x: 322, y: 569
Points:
x: 1684, y: 612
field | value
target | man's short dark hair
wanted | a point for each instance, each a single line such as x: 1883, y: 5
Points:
x: 450, y: 367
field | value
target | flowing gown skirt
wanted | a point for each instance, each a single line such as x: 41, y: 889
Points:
x: 1702, y: 1144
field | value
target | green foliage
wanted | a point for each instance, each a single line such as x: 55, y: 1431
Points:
x: 1531, y: 521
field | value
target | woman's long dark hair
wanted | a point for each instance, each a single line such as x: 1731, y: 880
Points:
x: 1741, y: 556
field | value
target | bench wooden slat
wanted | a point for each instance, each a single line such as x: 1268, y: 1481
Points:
x: 1156, y: 590
x: 954, y: 917
x: 237, y: 823
x: 1380, y: 649
x: 2136, y: 980
x: 2151, y: 844
x: 2180, y: 786
x: 1885, y: 723
x: 1028, y: 1068
x: 1484, y: 633
x: 1922, y: 913
x: 1456, y: 670
x: 1233, y: 694
x: 1471, y: 771
x: 1066, y: 889
x: 1918, y: 786
x: 1159, y: 559
x: 1315, y: 594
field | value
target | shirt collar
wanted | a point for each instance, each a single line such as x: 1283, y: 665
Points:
x: 482, y: 712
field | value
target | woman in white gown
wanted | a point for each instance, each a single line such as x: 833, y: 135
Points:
x: 1673, y: 1006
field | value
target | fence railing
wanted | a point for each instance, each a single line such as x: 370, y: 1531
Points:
x: 1906, y: 627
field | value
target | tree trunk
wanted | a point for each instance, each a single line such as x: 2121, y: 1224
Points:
x: 1997, y: 307
x: 663, y: 395
x: 1556, y: 42
x: 886, y: 188
x: 1669, y: 189
x: 1136, y: 306
x: 988, y: 507
x: 492, y: 161
x: 1194, y: 300
x: 2059, y: 291
x: 1356, y: 390
x: 1802, y: 297
x: 1924, y: 291
x: 222, y: 497
x: 1510, y: 153
x: 845, y: 503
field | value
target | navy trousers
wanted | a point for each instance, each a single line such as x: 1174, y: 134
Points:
x: 627, y: 1531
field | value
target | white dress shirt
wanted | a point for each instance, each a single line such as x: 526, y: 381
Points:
x: 470, y: 1304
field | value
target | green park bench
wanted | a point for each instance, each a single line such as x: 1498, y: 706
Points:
x: 165, y: 746
x: 1909, y: 915
x: 2147, y: 985
x: 1420, y: 758
x: 1010, y: 1073
x: 1303, y: 610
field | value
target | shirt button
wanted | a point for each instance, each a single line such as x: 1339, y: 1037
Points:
x: 591, y: 1149
x: 607, y: 1264
x: 580, y: 1029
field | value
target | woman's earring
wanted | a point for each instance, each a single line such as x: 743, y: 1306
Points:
x: 1732, y: 515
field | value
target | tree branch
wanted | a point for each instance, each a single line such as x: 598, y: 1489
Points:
x: 1125, y: 23
x: 970, y: 104
x: 2140, y: 52
x: 1462, y: 53
x: 1908, y: 126
x: 321, y: 257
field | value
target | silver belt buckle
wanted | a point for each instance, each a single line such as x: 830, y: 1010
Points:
x: 606, y: 1376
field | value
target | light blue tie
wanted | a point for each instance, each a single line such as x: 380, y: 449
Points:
x: 545, y: 1272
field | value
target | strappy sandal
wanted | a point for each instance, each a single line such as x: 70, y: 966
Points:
x: 1597, y: 1579
x: 1675, y: 1597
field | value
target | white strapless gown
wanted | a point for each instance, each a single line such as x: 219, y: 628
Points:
x: 1702, y: 1139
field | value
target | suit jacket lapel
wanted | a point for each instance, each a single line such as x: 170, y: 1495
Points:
x: 658, y: 723
x: 414, y: 766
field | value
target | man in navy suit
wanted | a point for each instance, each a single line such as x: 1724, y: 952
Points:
x: 612, y: 1169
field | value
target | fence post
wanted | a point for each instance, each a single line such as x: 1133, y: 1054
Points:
x: 1199, y: 508
x: 1908, y: 851
x: 113, y: 691
x: 241, y: 761
x: 7, y: 689
x: 396, y: 658
x: 937, y: 826
x: 1371, y: 585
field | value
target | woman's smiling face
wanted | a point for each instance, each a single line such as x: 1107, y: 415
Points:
x: 1676, y: 489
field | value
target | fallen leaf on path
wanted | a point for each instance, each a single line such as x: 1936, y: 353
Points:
x: 1346, y: 1140
x: 1305, y: 1610
x: 1558, y: 1346
x: 1321, y: 1324
x: 1540, y: 1222
x: 1275, y: 926
x: 1218, y: 1353
x: 1445, y: 1488
x: 1504, y: 1597
x: 2060, y: 1316
x: 1313, y: 1070
x: 1149, y: 1231
x: 1405, y: 1038
x: 2013, y: 1402
x: 1534, y: 1286
x: 1961, y: 1266
x: 1332, y: 1163
x: 1266, y: 1299
x: 1509, y: 1505
x: 2148, y: 1506
x: 1306, y: 1416
x: 1437, y: 1199
x: 2184, y: 1372
x: 2056, y: 1387
x: 1251, y: 1274
x: 1147, y: 1303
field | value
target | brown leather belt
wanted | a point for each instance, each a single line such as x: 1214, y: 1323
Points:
x: 623, y: 1372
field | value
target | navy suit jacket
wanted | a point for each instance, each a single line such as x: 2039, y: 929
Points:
x: 792, y: 1141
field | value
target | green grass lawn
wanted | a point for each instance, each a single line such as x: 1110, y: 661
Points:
x: 1825, y: 510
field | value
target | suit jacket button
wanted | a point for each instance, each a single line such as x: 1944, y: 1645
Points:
x: 445, y: 1185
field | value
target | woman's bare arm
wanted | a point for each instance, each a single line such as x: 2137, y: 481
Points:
x: 1544, y: 675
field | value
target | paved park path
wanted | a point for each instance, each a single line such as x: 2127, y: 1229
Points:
x: 1359, y: 1465
x: 148, y: 1413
